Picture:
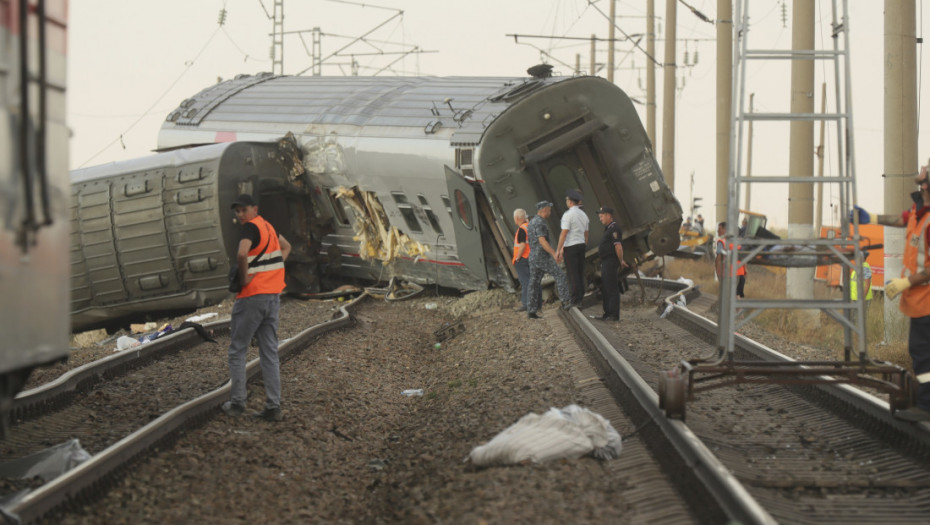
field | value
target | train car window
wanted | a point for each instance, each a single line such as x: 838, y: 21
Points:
x: 339, y: 212
x: 464, y: 209
x: 445, y: 200
x: 407, y: 211
x: 433, y: 220
x: 465, y: 161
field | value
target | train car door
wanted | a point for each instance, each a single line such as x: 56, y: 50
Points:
x: 574, y: 169
x: 466, y: 224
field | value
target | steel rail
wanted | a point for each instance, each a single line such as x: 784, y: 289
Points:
x: 41, y: 399
x: 728, y: 494
x: 83, y: 480
x: 872, y: 411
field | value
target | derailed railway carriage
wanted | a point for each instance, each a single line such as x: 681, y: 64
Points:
x: 414, y: 177
x: 448, y: 160
x: 157, y: 233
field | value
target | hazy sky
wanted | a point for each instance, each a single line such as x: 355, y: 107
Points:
x: 131, y: 62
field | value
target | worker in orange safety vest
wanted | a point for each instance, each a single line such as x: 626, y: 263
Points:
x: 720, y: 260
x: 913, y: 286
x: 521, y: 256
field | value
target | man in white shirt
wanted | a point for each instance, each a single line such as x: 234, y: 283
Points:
x: 572, y: 244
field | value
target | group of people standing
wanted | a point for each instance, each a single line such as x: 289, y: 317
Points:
x: 261, y: 253
x: 534, y: 255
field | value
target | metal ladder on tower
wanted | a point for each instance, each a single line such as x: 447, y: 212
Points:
x: 723, y: 369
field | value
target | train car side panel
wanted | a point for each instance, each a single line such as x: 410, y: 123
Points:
x: 157, y: 234
x: 193, y: 221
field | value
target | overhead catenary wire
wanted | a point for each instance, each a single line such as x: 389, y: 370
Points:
x: 187, y: 68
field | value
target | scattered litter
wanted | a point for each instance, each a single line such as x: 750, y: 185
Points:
x: 138, y: 328
x: 125, y: 342
x: 431, y: 306
x: 449, y: 330
x: 47, y: 464
x: 668, y: 310
x: 201, y: 331
x: 164, y: 330
x: 377, y: 464
x: 568, y: 433
x: 201, y: 317
x: 437, y: 346
x: 413, y: 392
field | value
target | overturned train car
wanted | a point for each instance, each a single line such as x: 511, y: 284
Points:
x: 437, y: 165
x: 158, y: 233
x: 415, y: 177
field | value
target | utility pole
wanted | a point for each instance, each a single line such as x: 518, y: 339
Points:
x: 668, y: 101
x: 724, y: 106
x: 900, y: 152
x: 801, y: 144
x: 752, y: 96
x: 610, y: 43
x: 818, y: 208
x: 593, y: 70
x: 651, y: 71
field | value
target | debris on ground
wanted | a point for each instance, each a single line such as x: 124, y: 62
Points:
x: 566, y: 433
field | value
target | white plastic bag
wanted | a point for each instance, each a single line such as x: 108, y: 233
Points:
x: 124, y: 342
x: 567, y: 433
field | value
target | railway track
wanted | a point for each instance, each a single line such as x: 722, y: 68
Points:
x: 820, y: 453
x: 754, y: 453
x: 86, y: 403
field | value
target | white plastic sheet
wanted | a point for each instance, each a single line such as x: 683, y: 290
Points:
x: 568, y: 433
x: 47, y: 464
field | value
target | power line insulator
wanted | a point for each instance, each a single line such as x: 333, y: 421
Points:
x: 221, y: 20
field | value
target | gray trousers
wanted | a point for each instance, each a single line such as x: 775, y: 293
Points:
x: 256, y: 316
x: 523, y: 273
x: 538, y: 266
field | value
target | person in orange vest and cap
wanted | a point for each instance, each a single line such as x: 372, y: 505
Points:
x: 521, y: 256
x: 720, y: 260
x: 260, y: 255
x: 913, y: 286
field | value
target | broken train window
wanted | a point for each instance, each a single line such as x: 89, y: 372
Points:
x: 339, y: 211
x: 407, y: 211
x: 433, y: 220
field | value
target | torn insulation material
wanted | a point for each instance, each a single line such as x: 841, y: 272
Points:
x: 378, y: 240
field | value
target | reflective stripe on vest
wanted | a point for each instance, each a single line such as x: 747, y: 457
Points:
x: 267, y: 271
x: 923, y: 378
x: 740, y: 267
x: 526, y: 248
x: 915, y: 301
x: 854, y: 285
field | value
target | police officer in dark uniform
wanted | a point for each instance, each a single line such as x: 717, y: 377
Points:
x: 611, y: 254
x: 542, y: 261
